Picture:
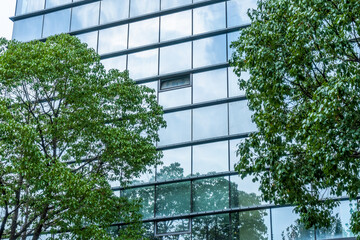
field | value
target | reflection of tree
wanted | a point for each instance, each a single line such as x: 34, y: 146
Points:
x: 250, y: 225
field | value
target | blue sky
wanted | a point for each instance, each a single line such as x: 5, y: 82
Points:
x: 7, y: 9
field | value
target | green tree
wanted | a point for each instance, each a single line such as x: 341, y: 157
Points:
x: 304, y: 90
x: 67, y: 127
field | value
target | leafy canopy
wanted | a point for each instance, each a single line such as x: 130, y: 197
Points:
x: 67, y: 127
x: 304, y: 89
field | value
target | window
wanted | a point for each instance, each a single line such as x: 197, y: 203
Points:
x: 175, y: 82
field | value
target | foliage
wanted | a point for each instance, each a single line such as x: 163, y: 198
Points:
x: 304, y: 90
x: 68, y: 127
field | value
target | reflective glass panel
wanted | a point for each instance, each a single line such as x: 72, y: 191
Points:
x: 210, y: 158
x: 176, y: 164
x: 56, y: 22
x: 165, y: 4
x: 178, y: 128
x: 115, y: 63
x: 90, y: 39
x: 148, y: 176
x: 237, y: 11
x: 233, y: 148
x: 173, y: 199
x: 210, y: 121
x: 113, y: 10
x: 175, y: 25
x: 209, y: 18
x: 140, y: 7
x: 26, y: 6
x: 244, y: 192
x: 85, y: 16
x: 175, y: 97
x: 210, y: 85
x: 143, y: 64
x: 251, y: 225
x: 210, y: 51
x: 240, y: 118
x: 213, y: 227
x: 147, y: 196
x: 54, y: 3
x: 175, y: 58
x: 28, y: 29
x: 211, y: 194
x: 234, y: 89
x: 180, y: 81
x: 144, y: 32
x: 113, y: 39
x: 172, y: 226
x: 231, y: 38
x: 152, y: 85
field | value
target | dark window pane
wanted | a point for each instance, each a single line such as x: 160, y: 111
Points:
x: 173, y: 199
x: 56, y: 22
x: 147, y: 196
x: 175, y: 82
x: 214, y: 227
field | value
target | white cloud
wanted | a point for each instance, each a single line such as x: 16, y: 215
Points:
x: 7, y: 9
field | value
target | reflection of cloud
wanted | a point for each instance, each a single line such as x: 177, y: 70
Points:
x: 113, y: 10
x: 210, y: 85
x: 212, y: 157
x: 165, y: 4
x: 89, y: 38
x: 85, y: 16
x: 140, y: 7
x: 115, y: 63
x: 144, y: 32
x: 113, y: 39
x: 174, y: 98
x: 54, y: 3
x: 178, y: 128
x: 237, y: 11
x: 143, y: 64
x: 240, y: 118
x: 210, y: 51
x: 175, y: 25
x: 209, y: 18
x: 175, y: 58
x: 26, y: 6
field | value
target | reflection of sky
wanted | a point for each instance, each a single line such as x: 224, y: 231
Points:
x: 175, y: 25
x: 27, y: 29
x: 56, y: 22
x: 143, y: 64
x: 144, y: 32
x: 209, y: 18
x: 210, y: 121
x: 175, y: 58
x: 113, y: 10
x: 246, y: 185
x: 54, y: 3
x: 231, y: 38
x: 85, y: 16
x: 237, y: 11
x: 140, y: 7
x: 240, y: 118
x: 212, y: 157
x: 281, y: 219
x: 233, y: 148
x: 174, y: 98
x: 165, y: 4
x: 178, y: 128
x: 115, y: 63
x: 25, y: 6
x: 113, y: 39
x: 210, y: 51
x: 89, y: 38
x: 210, y: 85
x: 234, y: 89
x: 178, y: 155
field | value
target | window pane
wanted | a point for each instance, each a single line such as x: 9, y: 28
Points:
x: 209, y: 18
x: 251, y: 225
x: 90, y: 39
x: 28, y: 29
x: 237, y: 11
x: 113, y: 10
x: 210, y: 121
x: 210, y: 51
x: 211, y: 194
x: 144, y: 32
x: 176, y: 97
x: 165, y: 4
x: 231, y: 38
x: 175, y: 25
x: 245, y: 192
x: 26, y: 6
x: 140, y: 7
x: 54, y: 3
x: 176, y: 164
x: 115, y: 63
x: 148, y: 176
x: 240, y: 118
x: 214, y: 227
x: 56, y: 22
x: 113, y: 39
x: 233, y: 148
x: 234, y: 89
x: 180, y: 81
x: 175, y: 58
x: 173, y: 199
x: 178, y: 128
x: 173, y: 226
x: 147, y: 196
x: 143, y: 64
x: 210, y: 85
x: 210, y: 158
x: 85, y: 16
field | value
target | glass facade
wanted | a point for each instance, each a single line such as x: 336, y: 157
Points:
x: 180, y: 48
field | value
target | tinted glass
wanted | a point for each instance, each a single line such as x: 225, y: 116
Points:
x: 176, y: 164
x: 113, y: 39
x: 234, y: 88
x: 85, y: 16
x: 209, y: 51
x: 173, y: 199
x: 240, y: 118
x: 233, y: 148
x: 178, y: 128
x: 28, y: 29
x: 172, y: 226
x: 56, y: 22
x: 237, y: 11
x: 210, y: 121
x: 209, y: 18
x: 54, y: 3
x: 165, y: 4
x: 210, y: 158
x: 143, y: 64
x: 175, y: 58
x: 175, y: 98
x: 144, y: 32
x: 147, y: 196
x: 90, y: 39
x: 26, y: 6
x: 115, y: 62
x: 140, y: 7
x: 148, y: 176
x: 175, y: 25
x: 113, y: 10
x: 244, y: 192
x: 215, y: 227
x: 210, y: 85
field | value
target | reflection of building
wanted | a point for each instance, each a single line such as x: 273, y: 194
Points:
x: 181, y: 49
